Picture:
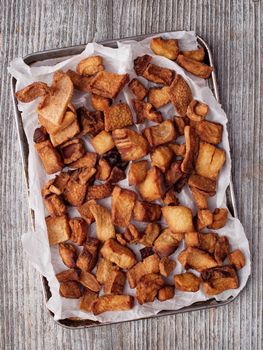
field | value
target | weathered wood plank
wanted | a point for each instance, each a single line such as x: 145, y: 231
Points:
x: 234, y: 30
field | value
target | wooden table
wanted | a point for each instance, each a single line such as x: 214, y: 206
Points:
x: 233, y: 30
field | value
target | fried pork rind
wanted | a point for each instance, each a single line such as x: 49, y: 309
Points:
x: 103, y: 142
x: 237, y: 259
x: 166, y: 266
x: 117, y: 117
x: 187, y: 282
x: 79, y: 229
x: 160, y: 134
x: 90, y: 65
x: 209, y: 161
x: 220, y: 216
x: 142, y: 268
x: 58, y: 229
x: 85, y: 212
x: 165, y: 293
x: 138, y: 89
x: 91, y: 122
x: 200, y: 198
x: 180, y: 95
x: 148, y: 288
x: 166, y: 243
x: 115, y: 282
x: 33, y: 91
x: 71, y: 290
x: 112, y: 303
x: 65, y: 134
x: 159, y: 96
x: 158, y: 75
x: 145, y: 252
x: 204, y: 218
x: 87, y: 161
x: 218, y: 279
x: 54, y: 105
x: 170, y: 198
x: 68, y: 275
x: 141, y: 63
x: 209, y: 132
x: 118, y: 254
x: 40, y: 135
x: 197, y: 55
x: 162, y: 157
x: 87, y: 299
x: 72, y: 150
x: 74, y: 192
x: 151, y: 232
x: 203, y: 184
x: 132, y: 234
x: 147, y: 212
x: 104, y: 269
x: 178, y: 218
x: 123, y: 202
x: 180, y: 123
x: 104, y: 226
x: 137, y: 172
x: 196, y: 68
x: 145, y: 110
x: 55, y: 205
x: 49, y: 156
x: 100, y: 103
x: 130, y: 144
x: 116, y: 175
x: 178, y: 149
x: 196, y: 259
x: 68, y: 254
x: 204, y: 241
x: 89, y: 281
x: 89, y: 254
x: 80, y: 82
x: 103, y: 170
x: 174, y: 173
x: 151, y: 188
x: 222, y: 249
x: 197, y: 111
x: 165, y: 47
x: 107, y: 84
x: 191, y: 149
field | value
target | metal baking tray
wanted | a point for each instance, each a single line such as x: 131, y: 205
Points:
x: 75, y: 323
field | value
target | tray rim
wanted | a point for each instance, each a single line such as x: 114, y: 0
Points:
x: 70, y: 51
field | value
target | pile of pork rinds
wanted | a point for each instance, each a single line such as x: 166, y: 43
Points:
x: 99, y: 266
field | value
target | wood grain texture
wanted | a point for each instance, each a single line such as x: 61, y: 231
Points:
x: 233, y: 29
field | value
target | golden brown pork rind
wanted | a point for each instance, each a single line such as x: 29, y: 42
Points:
x: 203, y: 184
x: 87, y: 161
x: 158, y: 75
x: 138, y: 89
x: 118, y: 254
x: 49, y: 156
x: 148, y: 288
x: 204, y: 241
x: 116, y: 175
x: 71, y: 289
x: 55, y: 205
x: 75, y: 192
x: 103, y: 170
x: 196, y: 68
x: 79, y: 230
x: 123, y: 202
x: 200, y: 198
x: 130, y: 144
x: 204, y: 219
x: 197, y: 55
x: 237, y: 259
x: 137, y: 172
x: 196, y: 259
x: 166, y: 243
x: 168, y: 48
x: 80, y: 82
x: 165, y: 293
x: 131, y: 234
x: 180, y: 94
x: 145, y: 110
x: 142, y: 268
x: 159, y: 96
x: 218, y: 279
x: 210, y: 160
x: 220, y: 216
x: 85, y: 212
x: 197, y: 111
x: 104, y: 226
x: 178, y: 218
x: 191, y: 150
x: 178, y: 149
x: 58, y: 229
x: 103, y: 142
x: 112, y: 303
x: 160, y: 134
x: 115, y: 282
x: 170, y: 198
x: 141, y: 63
x: 68, y: 275
x: 174, y: 173
x: 151, y: 188
x: 89, y: 281
x: 162, y: 157
x: 72, y: 150
x: 151, y: 232
x: 104, y: 269
x: 90, y: 65
x: 180, y: 123
x: 53, y: 106
x: 107, y: 84
x: 68, y: 254
x: 33, y: 91
x: 87, y: 299
x: 148, y: 212
x: 222, y: 249
x: 117, y: 116
x: 100, y: 103
x: 65, y: 134
x: 166, y: 266
x: 187, y: 282
x: 91, y: 123
x: 209, y: 131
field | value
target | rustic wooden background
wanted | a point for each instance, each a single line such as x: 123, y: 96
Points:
x: 233, y: 30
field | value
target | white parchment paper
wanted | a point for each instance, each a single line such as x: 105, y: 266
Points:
x: 45, y: 259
